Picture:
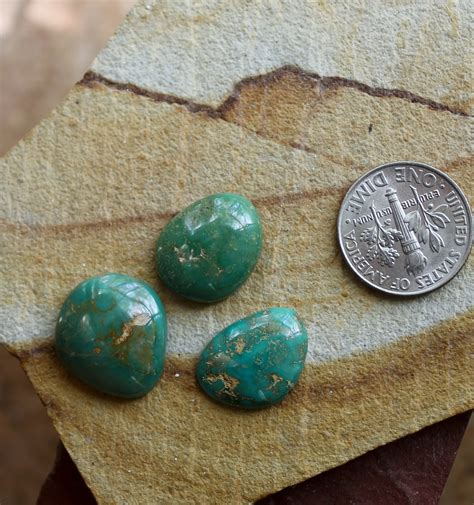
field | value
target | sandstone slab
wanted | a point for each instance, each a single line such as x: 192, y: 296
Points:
x: 291, y: 105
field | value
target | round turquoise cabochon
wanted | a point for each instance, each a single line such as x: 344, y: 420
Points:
x: 209, y: 249
x: 111, y: 334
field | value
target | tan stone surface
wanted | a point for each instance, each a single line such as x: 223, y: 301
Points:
x: 201, y: 52
x: 90, y: 188
x: 102, y: 177
x: 177, y: 446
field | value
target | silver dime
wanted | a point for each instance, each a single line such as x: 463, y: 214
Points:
x: 405, y: 228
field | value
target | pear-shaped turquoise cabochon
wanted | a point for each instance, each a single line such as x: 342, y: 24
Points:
x: 209, y: 249
x: 256, y: 361
x: 111, y: 334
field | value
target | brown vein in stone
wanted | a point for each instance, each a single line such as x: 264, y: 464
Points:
x: 325, y: 83
x: 264, y: 201
x: 65, y: 228
x: 339, y: 410
x: 92, y: 79
x: 57, y: 229
x: 448, y: 336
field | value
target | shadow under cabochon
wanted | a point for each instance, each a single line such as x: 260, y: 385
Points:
x: 111, y: 334
x: 209, y: 249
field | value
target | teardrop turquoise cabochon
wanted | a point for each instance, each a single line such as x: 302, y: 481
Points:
x: 209, y: 249
x: 111, y: 334
x: 256, y: 361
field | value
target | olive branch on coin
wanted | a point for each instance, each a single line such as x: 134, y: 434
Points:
x: 426, y: 222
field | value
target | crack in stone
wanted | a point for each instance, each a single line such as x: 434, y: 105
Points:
x: 325, y: 83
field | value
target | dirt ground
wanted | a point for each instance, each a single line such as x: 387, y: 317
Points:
x: 45, y: 46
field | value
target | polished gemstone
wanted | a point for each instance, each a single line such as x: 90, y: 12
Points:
x: 208, y: 250
x: 111, y: 334
x: 256, y: 361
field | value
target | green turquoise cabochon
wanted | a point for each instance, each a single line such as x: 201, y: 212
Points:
x: 210, y: 248
x: 256, y: 361
x: 111, y: 334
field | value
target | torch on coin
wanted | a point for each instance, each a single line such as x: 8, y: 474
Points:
x: 415, y: 259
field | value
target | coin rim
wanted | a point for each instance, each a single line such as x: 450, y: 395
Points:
x: 379, y: 288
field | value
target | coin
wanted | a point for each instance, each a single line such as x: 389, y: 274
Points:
x: 405, y: 228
